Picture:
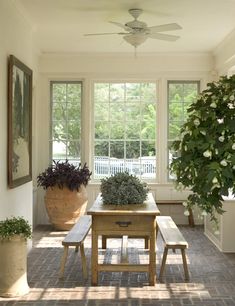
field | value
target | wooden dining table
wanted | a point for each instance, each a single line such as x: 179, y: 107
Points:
x: 132, y: 220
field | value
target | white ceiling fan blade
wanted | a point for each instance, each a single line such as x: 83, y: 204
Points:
x: 95, y: 34
x: 164, y: 36
x: 164, y: 27
x: 121, y: 25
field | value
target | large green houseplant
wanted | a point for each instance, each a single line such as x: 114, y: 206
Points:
x: 66, y: 196
x: 14, y: 233
x: 123, y: 188
x: 206, y: 149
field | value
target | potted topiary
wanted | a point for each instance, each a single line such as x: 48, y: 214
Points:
x: 66, y: 196
x: 123, y: 188
x: 14, y: 233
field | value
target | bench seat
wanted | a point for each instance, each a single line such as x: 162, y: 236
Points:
x: 76, y: 237
x: 173, y: 239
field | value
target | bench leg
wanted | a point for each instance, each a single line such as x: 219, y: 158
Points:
x: 76, y: 248
x: 63, y: 261
x: 163, y: 263
x: 83, y: 259
x: 185, y: 264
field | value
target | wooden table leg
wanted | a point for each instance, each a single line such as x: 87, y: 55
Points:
x: 152, y: 257
x: 83, y: 259
x: 94, y: 259
x: 104, y: 241
x: 146, y: 242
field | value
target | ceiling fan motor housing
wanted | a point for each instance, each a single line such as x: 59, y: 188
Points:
x: 136, y: 25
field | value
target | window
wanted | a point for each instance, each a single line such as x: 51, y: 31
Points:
x: 125, y: 129
x: 65, y: 139
x: 180, y: 95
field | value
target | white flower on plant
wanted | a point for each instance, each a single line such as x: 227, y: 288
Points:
x: 220, y: 121
x: 186, y: 213
x: 221, y: 138
x: 204, y: 213
x: 203, y: 132
x: 215, y: 180
x: 207, y: 153
x: 185, y: 204
x: 213, y: 105
x: 216, y: 151
x: 233, y: 146
x: 223, y: 163
x: 196, y: 122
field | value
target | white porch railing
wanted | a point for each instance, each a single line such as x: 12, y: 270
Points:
x: 144, y: 167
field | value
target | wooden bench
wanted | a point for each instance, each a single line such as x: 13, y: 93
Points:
x: 173, y: 239
x: 76, y: 237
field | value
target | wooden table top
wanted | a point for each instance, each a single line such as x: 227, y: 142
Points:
x: 149, y: 207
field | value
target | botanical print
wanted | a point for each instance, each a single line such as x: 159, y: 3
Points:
x: 19, y: 123
x: 20, y: 157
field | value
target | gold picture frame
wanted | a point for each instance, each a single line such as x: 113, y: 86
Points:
x: 19, y: 123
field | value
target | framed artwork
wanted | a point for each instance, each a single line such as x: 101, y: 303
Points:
x: 19, y: 123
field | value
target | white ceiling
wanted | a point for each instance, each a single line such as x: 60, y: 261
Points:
x: 60, y: 25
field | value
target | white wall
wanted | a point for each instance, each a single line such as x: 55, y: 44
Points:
x: 15, y: 38
x: 225, y: 54
x: 88, y: 68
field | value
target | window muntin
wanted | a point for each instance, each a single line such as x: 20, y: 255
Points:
x: 125, y: 129
x: 181, y: 94
x: 65, y: 141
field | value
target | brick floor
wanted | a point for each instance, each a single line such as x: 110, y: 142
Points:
x: 212, y: 275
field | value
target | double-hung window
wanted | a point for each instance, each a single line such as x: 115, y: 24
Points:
x: 66, y: 100
x: 181, y: 94
x: 125, y: 128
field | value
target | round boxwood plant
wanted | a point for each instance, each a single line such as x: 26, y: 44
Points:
x: 206, y: 160
x: 15, y: 226
x: 123, y: 188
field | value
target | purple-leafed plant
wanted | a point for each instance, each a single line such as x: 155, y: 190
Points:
x: 64, y: 174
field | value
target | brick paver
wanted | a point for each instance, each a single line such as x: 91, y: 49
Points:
x: 212, y: 275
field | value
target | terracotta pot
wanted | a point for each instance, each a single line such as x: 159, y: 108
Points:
x: 13, y: 267
x: 64, y: 207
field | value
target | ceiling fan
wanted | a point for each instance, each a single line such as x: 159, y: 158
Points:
x: 136, y: 31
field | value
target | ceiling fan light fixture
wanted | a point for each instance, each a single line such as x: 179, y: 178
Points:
x: 135, y: 39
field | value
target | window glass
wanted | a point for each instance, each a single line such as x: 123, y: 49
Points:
x: 181, y: 94
x: 125, y: 129
x: 65, y: 139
